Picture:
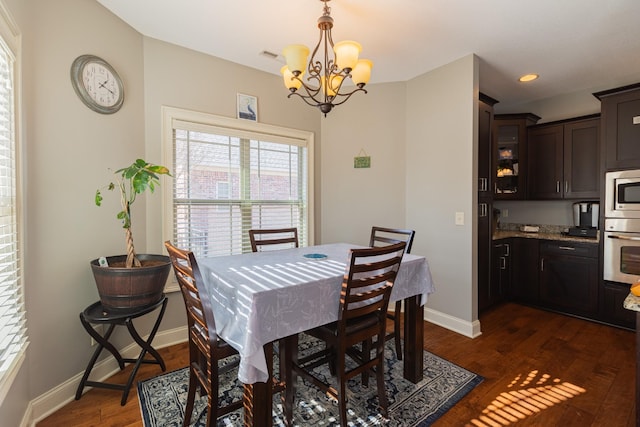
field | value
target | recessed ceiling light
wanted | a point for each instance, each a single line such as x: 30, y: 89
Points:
x: 528, y: 77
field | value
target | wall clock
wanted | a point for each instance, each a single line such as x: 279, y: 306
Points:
x: 97, y: 84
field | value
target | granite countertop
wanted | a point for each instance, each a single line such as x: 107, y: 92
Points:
x: 546, y: 232
x: 632, y: 302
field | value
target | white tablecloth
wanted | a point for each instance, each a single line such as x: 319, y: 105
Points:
x: 264, y: 296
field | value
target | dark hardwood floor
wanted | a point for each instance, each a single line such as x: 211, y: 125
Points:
x: 540, y: 369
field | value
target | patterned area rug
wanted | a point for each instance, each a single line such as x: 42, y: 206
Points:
x: 163, y: 398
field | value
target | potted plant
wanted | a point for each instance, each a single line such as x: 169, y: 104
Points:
x: 131, y: 280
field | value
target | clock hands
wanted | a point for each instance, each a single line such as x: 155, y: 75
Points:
x: 102, y: 85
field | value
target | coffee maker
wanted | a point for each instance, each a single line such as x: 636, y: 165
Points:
x: 585, y: 219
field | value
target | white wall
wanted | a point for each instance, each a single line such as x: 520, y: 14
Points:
x: 353, y: 200
x: 68, y: 150
x: 441, y: 141
x: 420, y: 136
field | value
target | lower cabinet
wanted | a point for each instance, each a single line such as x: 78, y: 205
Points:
x: 562, y: 276
x: 501, y: 270
x: 611, y: 305
x: 524, y: 286
x: 569, y: 277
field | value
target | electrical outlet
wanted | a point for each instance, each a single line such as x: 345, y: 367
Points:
x: 505, y: 212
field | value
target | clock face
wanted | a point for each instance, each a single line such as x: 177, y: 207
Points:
x: 97, y: 84
x: 100, y: 84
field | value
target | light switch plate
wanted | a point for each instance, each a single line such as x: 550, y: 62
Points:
x: 459, y: 218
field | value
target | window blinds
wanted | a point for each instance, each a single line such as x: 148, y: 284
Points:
x: 13, y: 337
x: 227, y: 181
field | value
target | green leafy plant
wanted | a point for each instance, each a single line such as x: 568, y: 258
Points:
x: 131, y: 181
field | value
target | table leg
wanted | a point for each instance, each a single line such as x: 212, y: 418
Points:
x: 258, y: 397
x: 413, y: 339
x: 289, y: 356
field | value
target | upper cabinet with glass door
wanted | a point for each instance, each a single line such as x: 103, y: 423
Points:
x: 509, y: 153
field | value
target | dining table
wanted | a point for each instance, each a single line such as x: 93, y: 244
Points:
x: 259, y: 298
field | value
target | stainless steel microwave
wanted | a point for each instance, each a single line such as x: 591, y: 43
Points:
x: 622, y: 194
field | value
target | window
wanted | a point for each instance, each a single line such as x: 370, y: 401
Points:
x: 231, y: 176
x: 13, y: 334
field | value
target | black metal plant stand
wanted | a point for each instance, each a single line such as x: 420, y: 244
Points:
x: 96, y: 313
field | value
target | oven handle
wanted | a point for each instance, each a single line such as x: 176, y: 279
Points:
x: 613, y: 236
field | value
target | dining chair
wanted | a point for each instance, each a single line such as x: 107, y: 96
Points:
x: 275, y: 238
x: 205, y: 347
x: 385, y: 236
x: 359, y: 330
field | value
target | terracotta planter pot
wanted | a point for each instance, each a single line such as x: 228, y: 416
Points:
x: 126, y: 288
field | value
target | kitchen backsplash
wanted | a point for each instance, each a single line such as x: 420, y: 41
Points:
x: 553, y: 212
x: 543, y: 228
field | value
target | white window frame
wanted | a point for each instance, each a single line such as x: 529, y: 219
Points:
x: 172, y: 115
x: 11, y: 41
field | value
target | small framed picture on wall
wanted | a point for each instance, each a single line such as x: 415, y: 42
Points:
x: 247, y: 107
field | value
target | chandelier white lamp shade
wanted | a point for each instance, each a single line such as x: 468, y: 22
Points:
x: 320, y: 79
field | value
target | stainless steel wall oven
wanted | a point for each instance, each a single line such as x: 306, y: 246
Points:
x: 622, y: 250
x: 622, y: 226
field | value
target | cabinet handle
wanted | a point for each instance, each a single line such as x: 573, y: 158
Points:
x: 557, y: 186
x: 615, y: 236
x: 503, y: 263
x: 495, y: 188
x: 483, y: 210
x: 483, y: 184
x: 506, y: 245
x: 566, y: 248
x: 541, y: 264
x: 566, y: 187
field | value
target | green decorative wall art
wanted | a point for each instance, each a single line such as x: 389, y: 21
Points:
x: 362, y: 160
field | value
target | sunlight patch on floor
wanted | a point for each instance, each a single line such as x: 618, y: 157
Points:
x: 540, y: 392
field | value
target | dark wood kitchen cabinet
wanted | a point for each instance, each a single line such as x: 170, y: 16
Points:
x: 485, y: 121
x: 485, y: 215
x: 564, y: 159
x: 509, y: 154
x: 611, y: 305
x: 621, y: 126
x: 569, y: 277
x: 524, y: 286
x: 500, y: 272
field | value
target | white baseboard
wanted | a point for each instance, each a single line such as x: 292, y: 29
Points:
x: 54, y: 399
x: 463, y: 327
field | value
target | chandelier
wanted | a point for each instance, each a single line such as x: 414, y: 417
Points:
x: 326, y: 74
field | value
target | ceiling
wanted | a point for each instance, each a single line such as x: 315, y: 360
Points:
x: 575, y: 45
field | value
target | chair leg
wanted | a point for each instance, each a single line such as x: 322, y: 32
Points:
x: 212, y: 420
x: 212, y: 399
x: 382, y: 394
x: 366, y: 356
x: 396, y: 329
x: 342, y: 400
x: 191, y: 397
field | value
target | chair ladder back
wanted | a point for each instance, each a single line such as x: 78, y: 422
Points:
x: 367, y: 284
x: 205, y: 348
x: 188, y: 274
x: 388, y: 236
x: 273, y: 237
